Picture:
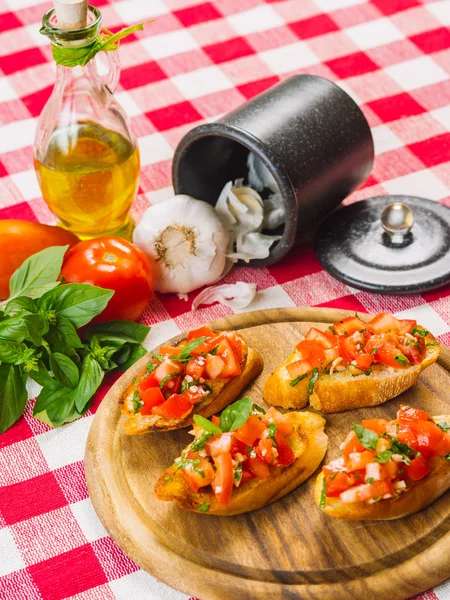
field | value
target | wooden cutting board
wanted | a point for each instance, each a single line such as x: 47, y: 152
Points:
x: 289, y: 550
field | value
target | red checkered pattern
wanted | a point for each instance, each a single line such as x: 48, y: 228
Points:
x: 197, y: 61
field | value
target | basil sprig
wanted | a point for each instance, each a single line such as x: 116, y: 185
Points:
x: 366, y: 437
x: 39, y: 339
x: 185, y: 354
x: 235, y: 415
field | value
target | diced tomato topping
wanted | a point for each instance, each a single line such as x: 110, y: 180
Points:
x: 377, y: 425
x: 167, y: 367
x: 366, y: 491
x: 330, y: 355
x: 215, y: 420
x: 407, y: 413
x: 195, y: 394
x: 223, y: 480
x: 299, y: 368
x: 337, y: 478
x: 208, y: 345
x: 349, y: 325
x: 195, y: 368
x: 383, y: 323
x: 388, y: 354
x: 429, y: 437
x: 357, y: 461
x: 194, y: 478
x: 377, y: 471
x: 312, y: 351
x: 171, y: 350
x: 219, y: 443
x: 286, y: 455
x: 349, y: 347
x: 258, y: 467
x: 200, y: 332
x: 351, y: 444
x: 176, y: 406
x: 247, y: 475
x: 214, y: 366
x: 364, y: 361
x: 406, y: 326
x: 172, y: 386
x: 232, y: 367
x: 284, y: 425
x: 250, y: 431
x: 318, y: 336
x: 443, y: 447
x: 150, y: 397
x: 148, y: 382
x: 418, y: 469
x: 236, y: 344
x: 265, y: 451
x: 411, y: 349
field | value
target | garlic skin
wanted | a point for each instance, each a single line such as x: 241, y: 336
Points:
x: 235, y: 295
x: 186, y: 243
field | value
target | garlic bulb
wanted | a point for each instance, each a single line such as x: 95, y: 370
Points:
x: 186, y: 242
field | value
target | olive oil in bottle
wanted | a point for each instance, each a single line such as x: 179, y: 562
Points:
x: 89, y: 178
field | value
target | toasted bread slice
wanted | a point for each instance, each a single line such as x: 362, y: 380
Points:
x: 418, y: 495
x: 309, y: 443
x: 342, y: 390
x: 224, y: 391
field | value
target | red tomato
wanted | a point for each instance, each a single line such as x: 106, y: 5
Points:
x: 223, y: 481
x: 299, y: 368
x: 377, y: 425
x: 418, y: 469
x: 366, y: 491
x: 311, y: 350
x: 286, y: 455
x: 167, y: 367
x: 214, y: 366
x: 349, y: 347
x: 377, y: 471
x: 151, y: 397
x: 337, y: 478
x: 264, y: 451
x: 208, y: 345
x: 232, y: 367
x: 175, y: 407
x: 195, y: 394
x: 330, y: 355
x: 388, y: 354
x: 364, y: 361
x: 349, y: 325
x: 236, y: 344
x: 383, y: 323
x: 148, y: 382
x: 250, y: 431
x: 406, y: 326
x: 429, y: 437
x: 412, y: 350
x: 351, y: 444
x: 200, y: 332
x: 114, y: 264
x: 170, y: 350
x: 246, y: 475
x: 258, y: 467
x: 408, y: 413
x: 196, y: 480
x: 284, y: 425
x: 195, y: 368
x: 357, y: 461
x: 444, y: 446
x: 215, y: 420
x: 219, y: 443
x: 318, y: 336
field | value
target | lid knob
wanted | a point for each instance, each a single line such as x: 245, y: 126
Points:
x: 397, y: 220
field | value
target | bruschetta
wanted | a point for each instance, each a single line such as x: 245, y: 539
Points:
x: 200, y: 375
x: 389, y: 469
x: 245, y: 460
x: 352, y: 364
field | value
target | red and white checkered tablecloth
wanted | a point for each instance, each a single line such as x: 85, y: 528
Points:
x: 197, y: 61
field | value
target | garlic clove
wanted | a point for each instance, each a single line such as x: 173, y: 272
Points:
x: 259, y: 176
x: 237, y: 295
x: 274, y: 212
x: 253, y: 245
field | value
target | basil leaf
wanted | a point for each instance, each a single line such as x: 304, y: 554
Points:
x: 206, y: 425
x: 400, y: 448
x: 13, y: 395
x: 366, y: 437
x: 122, y: 355
x: 37, y: 273
x: 443, y: 426
x: 323, y: 495
x: 90, y: 379
x: 192, y: 345
x: 421, y: 332
x: 384, y: 456
x: 23, y: 303
x: 125, y: 331
x: 55, y: 407
x: 22, y: 327
x: 11, y: 351
x: 294, y: 382
x: 204, y: 507
x: 37, y: 326
x: 65, y: 370
x: 43, y: 377
x: 312, y: 381
x: 401, y: 359
x: 63, y: 337
x: 77, y: 302
x: 257, y: 408
x: 235, y: 415
x: 135, y: 352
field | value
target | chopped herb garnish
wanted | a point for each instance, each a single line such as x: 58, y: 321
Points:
x: 294, y: 382
x: 192, y: 345
x: 401, y: 359
x: 444, y: 426
x: 204, y: 507
x: 272, y: 431
x: 251, y: 452
x: 134, y: 380
x: 206, y: 424
x: 158, y: 356
x: 150, y: 367
x: 366, y: 437
x: 323, y: 495
x: 238, y: 473
x: 200, y: 442
x: 214, y: 350
x: 189, y: 464
x: 421, y: 332
x: 384, y: 456
x: 429, y: 344
x: 447, y: 457
x: 168, y: 478
x: 369, y: 480
x: 257, y: 408
x: 374, y: 351
x: 187, y: 384
x: 137, y: 402
x: 312, y: 381
x: 411, y: 343
x: 332, y: 329
x: 166, y: 379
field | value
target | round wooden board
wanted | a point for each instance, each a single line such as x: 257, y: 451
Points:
x: 290, y: 549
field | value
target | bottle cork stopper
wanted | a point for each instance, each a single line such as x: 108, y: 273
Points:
x: 71, y: 14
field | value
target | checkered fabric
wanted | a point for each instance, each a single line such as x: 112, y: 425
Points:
x: 197, y: 61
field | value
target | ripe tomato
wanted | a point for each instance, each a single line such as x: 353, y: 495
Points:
x: 200, y: 332
x: 223, y: 481
x: 114, y: 264
x: 250, y: 431
x: 318, y: 336
x: 312, y: 351
x: 299, y: 368
x: 21, y: 239
x: 367, y: 491
x: 351, y: 444
x: 357, y: 461
x: 349, y: 325
x: 285, y: 427
x: 232, y: 368
x: 286, y: 455
x: 196, y: 479
x: 383, y: 323
x: 176, y: 407
x: 377, y: 425
x: 151, y: 397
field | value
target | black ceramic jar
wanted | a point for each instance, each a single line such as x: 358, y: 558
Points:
x: 308, y: 132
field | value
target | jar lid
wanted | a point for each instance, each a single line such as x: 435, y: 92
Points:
x: 387, y: 244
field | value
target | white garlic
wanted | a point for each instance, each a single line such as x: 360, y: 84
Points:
x: 186, y: 242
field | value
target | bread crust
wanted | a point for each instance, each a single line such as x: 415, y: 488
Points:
x: 418, y: 495
x: 309, y: 443
x: 224, y: 392
x: 335, y: 393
